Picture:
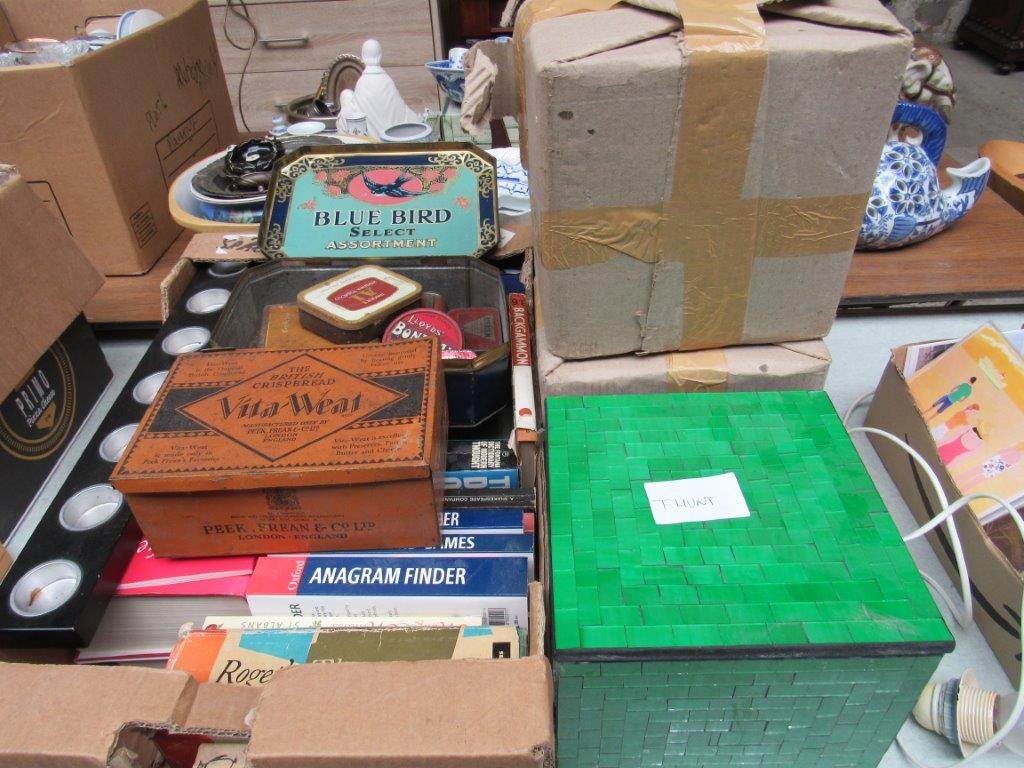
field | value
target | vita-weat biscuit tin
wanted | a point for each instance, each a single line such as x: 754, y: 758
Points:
x: 259, y: 451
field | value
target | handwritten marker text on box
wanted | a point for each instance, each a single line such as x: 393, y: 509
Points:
x: 696, y: 499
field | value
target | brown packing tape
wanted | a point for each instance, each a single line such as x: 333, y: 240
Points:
x: 705, y: 370
x: 800, y: 227
x: 714, y: 227
x: 809, y: 226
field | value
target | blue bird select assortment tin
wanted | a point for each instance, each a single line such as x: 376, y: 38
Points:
x: 423, y: 200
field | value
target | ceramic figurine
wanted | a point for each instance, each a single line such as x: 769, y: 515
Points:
x: 377, y: 95
x: 353, y: 119
x: 927, y: 80
x: 907, y: 204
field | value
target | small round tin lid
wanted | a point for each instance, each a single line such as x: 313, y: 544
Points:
x: 422, y: 323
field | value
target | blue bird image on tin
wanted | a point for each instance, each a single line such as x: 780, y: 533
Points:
x: 394, y: 189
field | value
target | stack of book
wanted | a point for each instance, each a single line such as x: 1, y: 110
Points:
x: 239, y: 619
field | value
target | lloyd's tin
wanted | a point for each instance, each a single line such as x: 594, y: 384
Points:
x: 355, y: 305
x: 256, y: 451
x: 423, y: 323
x: 372, y: 201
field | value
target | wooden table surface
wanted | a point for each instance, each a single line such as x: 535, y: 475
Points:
x: 980, y: 256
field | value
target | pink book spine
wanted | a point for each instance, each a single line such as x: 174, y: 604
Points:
x: 151, y: 575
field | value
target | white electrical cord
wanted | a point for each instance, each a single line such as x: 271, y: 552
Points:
x: 946, y: 517
x: 963, y: 615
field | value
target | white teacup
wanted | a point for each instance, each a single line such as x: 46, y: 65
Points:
x: 456, y: 56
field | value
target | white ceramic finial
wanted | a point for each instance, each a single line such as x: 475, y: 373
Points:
x: 377, y: 96
x: 372, y: 55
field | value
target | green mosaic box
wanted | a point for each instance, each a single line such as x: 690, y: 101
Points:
x: 799, y: 636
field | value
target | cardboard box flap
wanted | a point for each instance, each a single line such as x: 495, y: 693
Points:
x: 75, y: 716
x: 650, y: 18
x: 538, y: 618
x: 855, y: 14
x: 455, y: 714
x: 45, y: 280
x: 220, y: 710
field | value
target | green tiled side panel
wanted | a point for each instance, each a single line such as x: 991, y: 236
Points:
x: 799, y: 713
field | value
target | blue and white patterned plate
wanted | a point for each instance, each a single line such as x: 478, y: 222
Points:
x: 513, y: 182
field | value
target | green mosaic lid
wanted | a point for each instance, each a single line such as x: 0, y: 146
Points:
x: 819, y: 567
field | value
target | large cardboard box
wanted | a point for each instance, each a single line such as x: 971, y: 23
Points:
x: 431, y: 714
x: 750, y: 368
x: 995, y: 584
x: 700, y: 188
x: 102, y: 139
x: 52, y: 370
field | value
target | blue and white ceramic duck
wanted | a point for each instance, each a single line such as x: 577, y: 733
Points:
x: 907, y: 204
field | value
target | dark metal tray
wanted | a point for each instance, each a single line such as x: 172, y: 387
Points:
x: 477, y: 389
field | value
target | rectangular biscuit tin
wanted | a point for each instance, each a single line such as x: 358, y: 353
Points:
x: 412, y: 199
x: 258, y: 451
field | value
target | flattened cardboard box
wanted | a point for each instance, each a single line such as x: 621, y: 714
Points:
x: 750, y: 368
x: 259, y: 451
x: 37, y: 259
x: 995, y: 583
x: 432, y: 714
x: 112, y: 130
x: 52, y: 370
x: 719, y: 203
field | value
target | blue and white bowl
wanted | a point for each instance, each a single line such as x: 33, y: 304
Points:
x: 451, y: 79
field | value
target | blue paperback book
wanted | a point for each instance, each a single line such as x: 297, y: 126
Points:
x: 461, y: 520
x: 388, y: 585
x: 455, y: 543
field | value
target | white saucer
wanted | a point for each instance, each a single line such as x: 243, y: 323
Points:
x: 307, y: 128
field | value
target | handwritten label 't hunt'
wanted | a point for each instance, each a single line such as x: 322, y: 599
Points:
x: 696, y: 500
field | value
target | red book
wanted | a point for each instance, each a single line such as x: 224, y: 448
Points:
x: 193, y: 577
x: 159, y: 594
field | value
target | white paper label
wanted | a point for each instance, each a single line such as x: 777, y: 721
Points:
x: 506, y: 237
x: 696, y: 499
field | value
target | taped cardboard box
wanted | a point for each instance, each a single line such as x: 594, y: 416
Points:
x: 52, y: 370
x: 995, y: 584
x: 101, y: 140
x: 699, y: 188
x: 432, y: 714
x: 751, y: 368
